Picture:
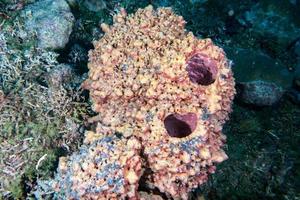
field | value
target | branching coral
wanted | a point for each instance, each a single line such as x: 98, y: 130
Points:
x: 150, y: 79
x: 35, y: 117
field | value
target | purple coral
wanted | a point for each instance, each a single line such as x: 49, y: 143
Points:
x: 202, y: 69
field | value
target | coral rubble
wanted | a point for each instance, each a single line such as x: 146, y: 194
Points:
x: 162, y: 88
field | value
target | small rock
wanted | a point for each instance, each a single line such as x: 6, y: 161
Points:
x: 60, y: 75
x: 52, y: 21
x: 95, y: 5
x: 231, y: 13
x: 259, y: 93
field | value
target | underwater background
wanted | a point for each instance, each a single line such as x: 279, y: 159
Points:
x: 44, y: 112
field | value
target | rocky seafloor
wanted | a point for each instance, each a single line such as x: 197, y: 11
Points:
x: 44, y: 112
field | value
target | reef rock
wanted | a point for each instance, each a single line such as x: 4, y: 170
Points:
x: 52, y: 21
x: 259, y: 93
x: 157, y: 85
x: 250, y: 65
x: 276, y: 22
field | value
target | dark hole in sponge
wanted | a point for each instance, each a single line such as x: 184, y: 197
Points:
x: 202, y: 69
x: 180, y: 125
